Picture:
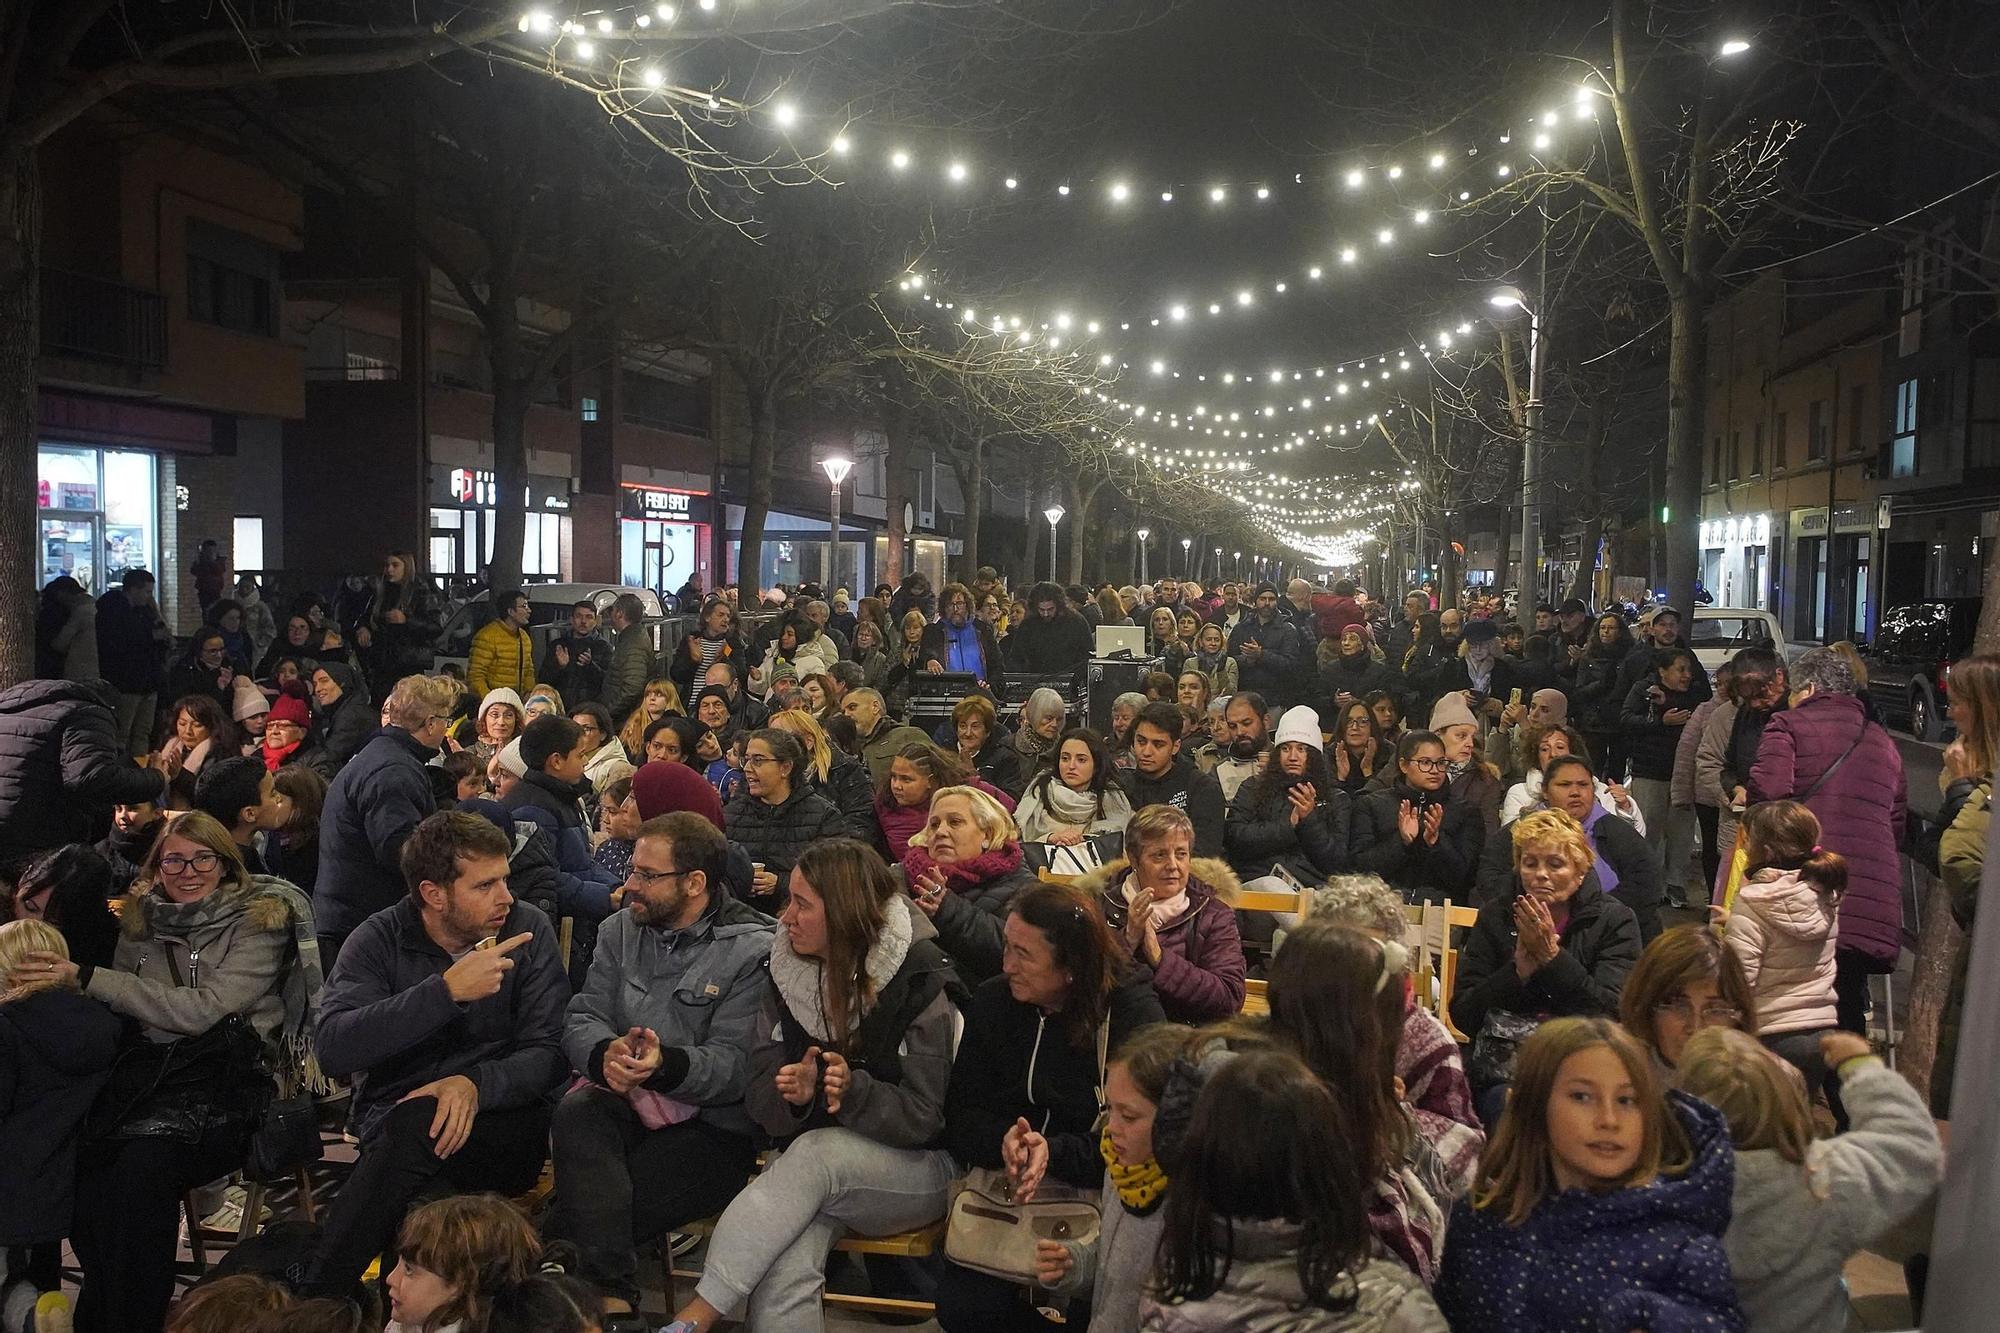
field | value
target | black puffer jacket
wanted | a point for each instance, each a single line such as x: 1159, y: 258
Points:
x: 1600, y: 945
x: 61, y: 766
x: 1594, y: 703
x: 1420, y: 871
x: 1261, y: 832
x: 847, y: 786
x: 1359, y: 677
x: 352, y: 720
x: 778, y: 835
x: 998, y: 764
x: 56, y: 1051
x: 971, y: 919
x: 1652, y: 741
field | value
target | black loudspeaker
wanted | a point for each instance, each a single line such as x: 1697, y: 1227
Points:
x: 1108, y: 677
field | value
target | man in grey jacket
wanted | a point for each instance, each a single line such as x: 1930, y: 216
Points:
x: 446, y: 1010
x: 663, y: 1029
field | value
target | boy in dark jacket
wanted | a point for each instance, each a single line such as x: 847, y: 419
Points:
x: 447, y: 1011
x: 555, y: 751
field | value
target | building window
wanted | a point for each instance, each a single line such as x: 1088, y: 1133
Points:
x: 1757, y: 450
x: 588, y: 407
x: 1735, y: 454
x: 1715, y: 460
x: 1779, y: 435
x: 1917, y: 263
x: 232, y: 280
x: 1903, y: 450
x: 1816, y: 431
x: 1982, y: 443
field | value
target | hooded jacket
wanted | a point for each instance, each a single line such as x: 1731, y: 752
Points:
x: 1200, y: 973
x: 1261, y: 832
x: 371, y: 808
x: 500, y: 655
x: 701, y: 989
x: 347, y: 724
x: 62, y: 765
x: 1781, y: 929
x: 1794, y: 1227
x: 1599, y: 946
x: 182, y: 982
x: 899, y: 1056
x: 56, y: 1051
x: 1015, y: 1061
x: 1649, y: 1257
x: 1260, y: 1293
x: 880, y: 747
x: 1967, y: 815
x: 1187, y: 789
x: 388, y: 1022
x: 1860, y: 808
x: 1421, y: 871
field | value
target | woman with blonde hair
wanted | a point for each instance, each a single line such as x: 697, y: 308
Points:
x: 1801, y: 1206
x: 963, y: 870
x: 1966, y: 778
x: 207, y: 951
x: 906, y: 661
x: 839, y: 777
x: 56, y: 1050
x: 661, y: 698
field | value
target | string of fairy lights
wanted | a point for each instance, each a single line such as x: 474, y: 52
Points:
x: 1403, y: 191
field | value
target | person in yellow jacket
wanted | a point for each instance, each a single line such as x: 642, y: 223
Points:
x: 502, y: 654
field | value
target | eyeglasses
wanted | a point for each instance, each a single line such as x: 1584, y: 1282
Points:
x: 437, y: 717
x: 1431, y: 765
x: 758, y: 760
x: 201, y: 863
x: 1713, y: 1014
x: 651, y: 877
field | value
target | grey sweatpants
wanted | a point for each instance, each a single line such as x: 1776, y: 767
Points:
x: 770, y: 1245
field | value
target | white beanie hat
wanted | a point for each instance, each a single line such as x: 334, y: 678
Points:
x: 1300, y: 724
x: 510, y: 758
x: 246, y: 700
x: 1451, y: 711
x: 501, y: 694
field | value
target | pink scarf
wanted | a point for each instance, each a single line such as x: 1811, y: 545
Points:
x: 917, y: 864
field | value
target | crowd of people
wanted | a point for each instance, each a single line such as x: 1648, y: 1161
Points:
x: 736, y: 936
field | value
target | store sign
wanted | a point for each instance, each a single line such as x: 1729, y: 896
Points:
x: 475, y: 488
x: 646, y: 502
x: 1854, y: 518
x: 1742, y: 530
x: 1809, y: 522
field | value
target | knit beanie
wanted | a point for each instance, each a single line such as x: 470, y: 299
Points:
x: 247, y: 700
x: 1300, y: 724
x: 1451, y: 711
x: 511, y: 760
x: 664, y: 787
x: 289, y: 708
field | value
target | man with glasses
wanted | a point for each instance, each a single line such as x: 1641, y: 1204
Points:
x: 446, y: 1009
x: 663, y: 1030
x: 379, y: 798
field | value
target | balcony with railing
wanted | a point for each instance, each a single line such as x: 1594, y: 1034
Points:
x: 97, y: 319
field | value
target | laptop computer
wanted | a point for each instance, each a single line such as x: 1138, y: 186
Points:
x: 1115, y: 639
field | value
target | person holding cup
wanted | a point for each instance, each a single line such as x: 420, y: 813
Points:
x: 777, y: 814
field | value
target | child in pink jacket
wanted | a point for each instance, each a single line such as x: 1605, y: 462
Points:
x: 1782, y: 928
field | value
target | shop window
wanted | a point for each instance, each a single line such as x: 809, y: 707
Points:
x: 1903, y: 449
x: 232, y: 280
x: 246, y: 549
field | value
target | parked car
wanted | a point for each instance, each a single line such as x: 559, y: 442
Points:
x: 548, y: 615
x: 1914, y: 646
x: 1720, y: 632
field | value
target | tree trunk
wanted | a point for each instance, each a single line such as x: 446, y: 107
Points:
x: 1032, y: 541
x: 970, y: 469
x: 1989, y: 611
x: 763, y: 412
x: 1079, y: 523
x: 510, y: 479
x: 1687, y: 363
x: 20, y: 347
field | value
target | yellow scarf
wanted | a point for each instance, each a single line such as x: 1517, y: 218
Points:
x: 1140, y: 1188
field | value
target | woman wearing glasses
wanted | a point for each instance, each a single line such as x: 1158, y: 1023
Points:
x: 777, y: 814
x: 203, y: 943
x: 1686, y: 980
x: 1414, y: 833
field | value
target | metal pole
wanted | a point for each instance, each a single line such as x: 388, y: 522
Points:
x: 1052, y: 554
x: 833, y: 546
x: 1531, y: 512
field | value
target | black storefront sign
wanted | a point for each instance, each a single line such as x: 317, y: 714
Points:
x: 640, y: 502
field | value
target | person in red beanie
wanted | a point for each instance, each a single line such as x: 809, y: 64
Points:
x: 288, y: 739
x: 664, y: 788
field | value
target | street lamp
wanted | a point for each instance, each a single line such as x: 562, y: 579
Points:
x: 1143, y: 533
x: 1054, y: 514
x: 1735, y: 46
x: 1529, y: 580
x: 1239, y: 565
x: 1187, y: 557
x: 836, y: 468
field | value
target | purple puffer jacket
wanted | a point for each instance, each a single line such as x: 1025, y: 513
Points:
x: 1860, y: 809
x: 1200, y: 973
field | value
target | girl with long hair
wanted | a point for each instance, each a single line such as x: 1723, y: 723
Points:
x: 1270, y: 1229
x: 661, y: 698
x: 199, y: 731
x: 1966, y: 778
x: 850, y: 1081
x: 452, y: 1256
x: 1291, y: 814
x: 903, y: 797
x: 1602, y: 1199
